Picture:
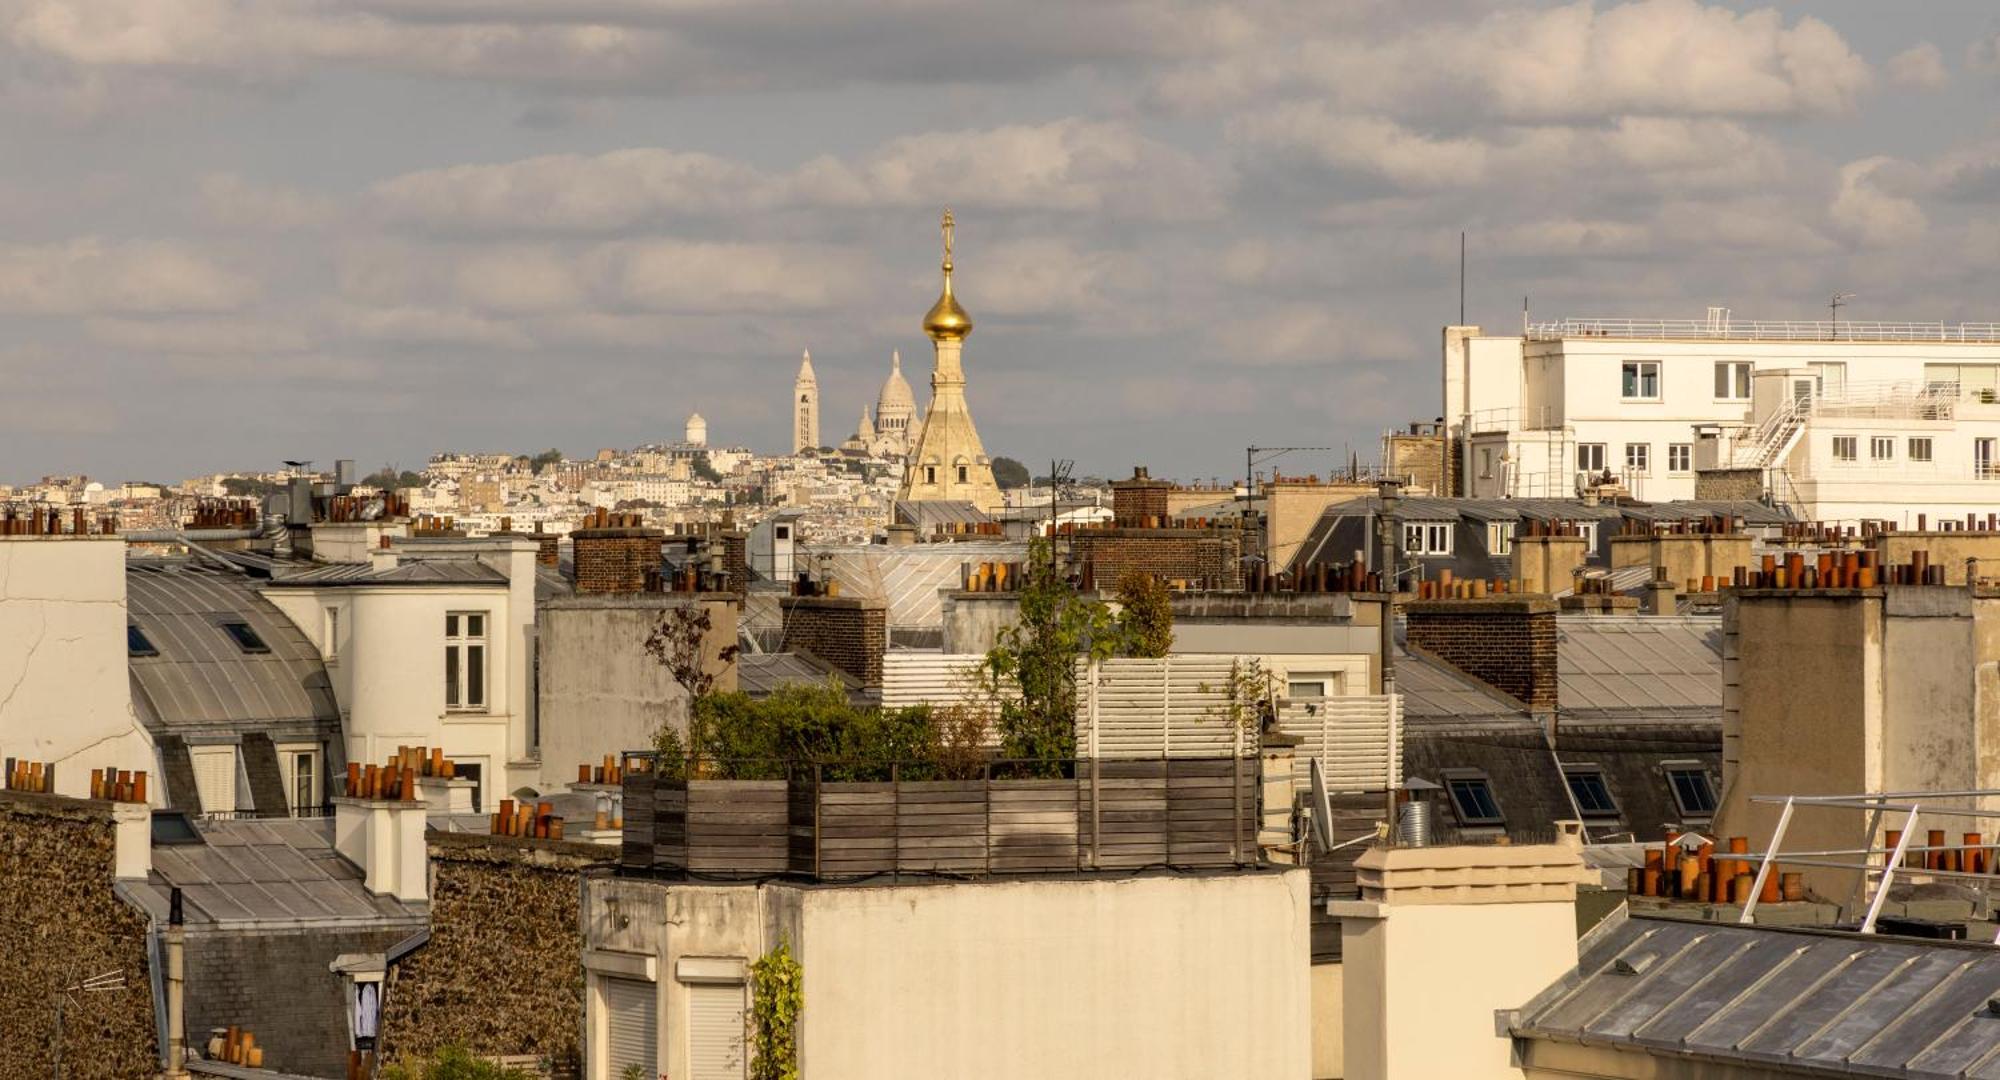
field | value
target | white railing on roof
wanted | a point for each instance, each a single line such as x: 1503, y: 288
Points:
x: 1898, y: 399
x: 1517, y: 418
x: 1761, y: 330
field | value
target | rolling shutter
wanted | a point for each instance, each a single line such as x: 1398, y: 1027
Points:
x: 715, y: 1031
x: 631, y: 1032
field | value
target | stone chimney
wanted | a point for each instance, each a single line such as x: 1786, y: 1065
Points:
x: 385, y: 838
x: 1506, y: 642
x: 851, y: 633
x: 1442, y: 939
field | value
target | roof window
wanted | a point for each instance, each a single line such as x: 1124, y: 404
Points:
x: 137, y: 643
x: 1587, y: 786
x: 1692, y: 792
x: 244, y: 637
x: 1472, y: 798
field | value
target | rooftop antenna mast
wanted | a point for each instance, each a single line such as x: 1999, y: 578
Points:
x: 1839, y: 301
x: 95, y: 984
x: 1059, y: 474
x: 1461, y: 277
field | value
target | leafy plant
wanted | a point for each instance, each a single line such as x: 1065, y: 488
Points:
x: 1249, y: 698
x: 1030, y: 673
x: 777, y: 1000
x: 1009, y: 474
x: 679, y: 643
x: 736, y: 736
x: 1147, y: 614
x: 450, y: 1063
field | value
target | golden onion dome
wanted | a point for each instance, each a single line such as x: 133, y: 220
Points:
x: 947, y: 321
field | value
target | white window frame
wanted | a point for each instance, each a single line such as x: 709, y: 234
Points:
x: 1882, y: 448
x: 1732, y: 379
x: 1846, y: 449
x: 1643, y: 372
x: 289, y: 755
x: 1602, y: 451
x: 464, y: 694
x: 330, y: 650
x: 1313, y: 685
x: 1920, y: 449
x: 1641, y: 462
x: 1680, y: 458
x: 1427, y: 538
x: 1486, y: 463
x: 1500, y: 537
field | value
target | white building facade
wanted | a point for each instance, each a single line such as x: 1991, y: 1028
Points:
x: 1839, y: 422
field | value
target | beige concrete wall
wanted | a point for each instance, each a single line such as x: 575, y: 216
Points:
x: 65, y: 694
x: 973, y: 621
x: 1328, y: 1021
x: 1409, y: 1014
x: 1054, y: 978
x: 1685, y: 557
x: 1809, y: 693
x: 601, y: 692
x: 1059, y: 979
x: 1947, y: 549
x: 1544, y: 564
x: 1291, y: 509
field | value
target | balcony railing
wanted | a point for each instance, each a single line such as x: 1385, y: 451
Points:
x: 1761, y: 330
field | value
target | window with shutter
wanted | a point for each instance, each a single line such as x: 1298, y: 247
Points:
x: 631, y: 1028
x: 215, y: 778
x: 715, y: 1031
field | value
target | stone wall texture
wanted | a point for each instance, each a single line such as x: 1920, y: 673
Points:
x: 849, y: 633
x: 1506, y: 643
x: 1200, y: 557
x: 60, y: 922
x: 502, y: 973
x: 1745, y: 485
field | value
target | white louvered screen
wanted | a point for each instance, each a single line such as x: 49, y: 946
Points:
x: 215, y: 777
x: 1357, y: 740
x: 715, y: 1031
x: 631, y: 1028
x: 913, y: 677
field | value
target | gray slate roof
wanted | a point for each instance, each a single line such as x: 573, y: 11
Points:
x: 1811, y: 1002
x: 266, y: 872
x: 201, y: 678
x: 758, y: 674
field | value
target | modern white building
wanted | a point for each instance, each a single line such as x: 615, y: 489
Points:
x: 1838, y: 421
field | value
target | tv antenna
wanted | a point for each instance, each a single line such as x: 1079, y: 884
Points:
x: 95, y: 984
x: 1839, y: 301
x: 1059, y: 474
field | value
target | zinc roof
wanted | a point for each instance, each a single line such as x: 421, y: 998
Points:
x: 266, y: 871
x: 202, y: 677
x: 1639, y: 665
x: 1815, y: 1003
x: 407, y: 572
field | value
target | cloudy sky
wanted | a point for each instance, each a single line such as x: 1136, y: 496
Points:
x: 235, y: 231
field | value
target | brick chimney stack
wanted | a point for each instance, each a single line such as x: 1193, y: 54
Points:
x: 615, y: 554
x: 1506, y: 642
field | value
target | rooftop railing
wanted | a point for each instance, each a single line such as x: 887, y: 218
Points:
x: 1762, y: 330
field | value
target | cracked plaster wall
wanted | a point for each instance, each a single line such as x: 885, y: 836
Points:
x: 65, y: 692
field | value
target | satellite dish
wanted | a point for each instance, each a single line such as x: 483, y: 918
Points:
x: 1322, y: 807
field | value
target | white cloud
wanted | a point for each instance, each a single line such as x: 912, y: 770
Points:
x: 1069, y: 165
x: 233, y: 201
x: 1919, y: 67
x: 1869, y: 211
x: 95, y: 276
x: 698, y: 278
x: 1576, y: 61
x: 1662, y: 152
x: 200, y: 335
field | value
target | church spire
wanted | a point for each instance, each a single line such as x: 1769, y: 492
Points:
x: 947, y: 321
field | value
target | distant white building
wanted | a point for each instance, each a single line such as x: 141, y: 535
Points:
x: 1839, y: 422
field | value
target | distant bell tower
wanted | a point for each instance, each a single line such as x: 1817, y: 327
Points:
x: 947, y: 461
x: 805, y: 407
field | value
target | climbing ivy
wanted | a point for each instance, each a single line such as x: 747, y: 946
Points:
x: 777, y: 997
